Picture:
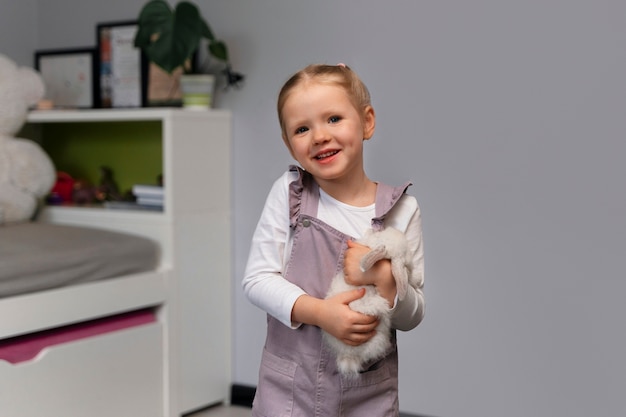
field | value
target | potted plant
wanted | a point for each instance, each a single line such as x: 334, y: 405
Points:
x: 170, y: 37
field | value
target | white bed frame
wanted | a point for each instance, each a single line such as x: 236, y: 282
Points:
x: 164, y: 369
x: 116, y: 374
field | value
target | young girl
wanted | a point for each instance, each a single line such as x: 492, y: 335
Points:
x: 305, y: 236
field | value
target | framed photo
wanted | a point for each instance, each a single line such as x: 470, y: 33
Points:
x: 122, y: 79
x: 70, y: 76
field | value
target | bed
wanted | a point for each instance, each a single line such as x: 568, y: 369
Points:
x: 81, y: 322
x: 179, y: 359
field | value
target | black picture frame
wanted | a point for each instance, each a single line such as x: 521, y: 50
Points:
x: 69, y: 75
x: 122, y: 68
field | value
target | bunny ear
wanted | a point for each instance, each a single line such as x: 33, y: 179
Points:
x: 401, y: 275
x: 372, y: 257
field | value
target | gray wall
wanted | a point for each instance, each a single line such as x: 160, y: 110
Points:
x: 509, y: 118
x: 18, y: 30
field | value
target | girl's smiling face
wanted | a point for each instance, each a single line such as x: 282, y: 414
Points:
x: 325, y: 132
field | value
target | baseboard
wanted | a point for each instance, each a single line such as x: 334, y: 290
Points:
x: 244, y: 394
x: 412, y: 415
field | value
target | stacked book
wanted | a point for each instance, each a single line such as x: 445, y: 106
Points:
x: 149, y: 195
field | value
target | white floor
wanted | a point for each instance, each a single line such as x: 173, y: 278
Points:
x: 222, y: 411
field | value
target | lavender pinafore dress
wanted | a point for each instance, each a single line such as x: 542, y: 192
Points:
x: 298, y: 375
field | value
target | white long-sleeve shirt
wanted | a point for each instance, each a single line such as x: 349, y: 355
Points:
x: 264, y: 284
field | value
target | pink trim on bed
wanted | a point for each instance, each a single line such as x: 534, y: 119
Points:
x: 27, y: 347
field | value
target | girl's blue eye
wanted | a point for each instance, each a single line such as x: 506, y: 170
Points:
x: 301, y: 130
x: 334, y: 119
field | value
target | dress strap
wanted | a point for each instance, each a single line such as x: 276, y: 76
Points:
x: 303, y: 195
x: 386, y: 198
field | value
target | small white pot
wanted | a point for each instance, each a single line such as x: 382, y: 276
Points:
x: 197, y: 91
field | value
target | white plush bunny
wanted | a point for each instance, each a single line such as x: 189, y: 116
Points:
x: 390, y: 244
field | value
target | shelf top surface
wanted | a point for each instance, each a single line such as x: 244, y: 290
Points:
x: 103, y: 115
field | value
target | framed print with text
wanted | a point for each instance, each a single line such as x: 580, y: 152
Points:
x: 123, y: 68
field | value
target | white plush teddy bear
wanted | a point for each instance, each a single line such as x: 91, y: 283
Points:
x: 26, y: 172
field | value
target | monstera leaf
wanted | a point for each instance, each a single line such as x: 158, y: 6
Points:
x: 170, y: 37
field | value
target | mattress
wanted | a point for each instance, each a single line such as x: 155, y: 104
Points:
x: 39, y: 256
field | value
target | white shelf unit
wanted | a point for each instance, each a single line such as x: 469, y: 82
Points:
x: 194, y: 233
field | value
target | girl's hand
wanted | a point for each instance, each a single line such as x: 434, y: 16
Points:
x: 379, y: 275
x: 338, y: 319
x: 352, y: 265
x: 335, y: 316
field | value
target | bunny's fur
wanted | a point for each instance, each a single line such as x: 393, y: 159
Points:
x: 386, y: 244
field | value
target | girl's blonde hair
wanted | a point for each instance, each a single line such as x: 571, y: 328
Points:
x: 338, y: 75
